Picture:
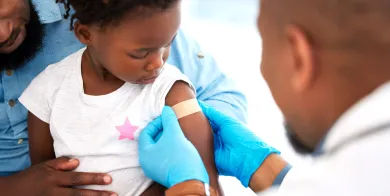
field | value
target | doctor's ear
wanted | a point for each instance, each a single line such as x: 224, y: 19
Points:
x: 303, y: 58
x: 83, y: 33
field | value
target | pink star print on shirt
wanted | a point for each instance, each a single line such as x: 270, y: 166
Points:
x: 126, y: 130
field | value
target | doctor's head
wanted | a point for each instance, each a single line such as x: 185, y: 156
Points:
x: 320, y: 57
x: 21, y: 33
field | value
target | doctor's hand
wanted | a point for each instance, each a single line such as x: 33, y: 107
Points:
x: 165, y: 154
x: 238, y: 151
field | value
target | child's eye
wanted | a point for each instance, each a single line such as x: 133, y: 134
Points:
x: 138, y: 57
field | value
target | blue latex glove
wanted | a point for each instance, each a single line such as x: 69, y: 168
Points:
x: 165, y: 154
x: 238, y: 151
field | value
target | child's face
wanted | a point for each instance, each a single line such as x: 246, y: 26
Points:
x: 136, y: 49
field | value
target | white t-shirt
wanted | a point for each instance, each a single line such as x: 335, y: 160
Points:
x: 101, y: 131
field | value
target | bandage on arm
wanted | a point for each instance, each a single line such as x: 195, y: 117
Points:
x: 186, y: 108
x: 195, y: 126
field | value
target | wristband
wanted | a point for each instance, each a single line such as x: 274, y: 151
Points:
x: 207, y: 189
x: 191, y: 187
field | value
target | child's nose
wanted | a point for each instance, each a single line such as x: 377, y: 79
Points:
x: 156, y: 61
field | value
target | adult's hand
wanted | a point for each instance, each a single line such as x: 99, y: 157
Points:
x: 165, y: 154
x: 238, y: 151
x: 54, y: 178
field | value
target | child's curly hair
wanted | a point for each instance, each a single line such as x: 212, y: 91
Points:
x: 103, y: 12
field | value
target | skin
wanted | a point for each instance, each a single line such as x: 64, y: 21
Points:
x: 21, y: 33
x: 320, y: 57
x: 55, y: 178
x: 134, y: 58
x: 197, y: 130
x: 133, y: 50
x: 14, y: 15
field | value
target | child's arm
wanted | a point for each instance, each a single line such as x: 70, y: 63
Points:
x: 40, y: 140
x: 196, y: 128
x: 37, y: 98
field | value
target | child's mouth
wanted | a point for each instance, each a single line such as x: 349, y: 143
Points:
x: 147, y: 80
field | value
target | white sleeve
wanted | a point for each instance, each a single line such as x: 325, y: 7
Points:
x: 306, y: 181
x: 37, y: 97
x: 164, y: 83
x: 303, y: 182
x: 292, y: 186
x: 325, y: 178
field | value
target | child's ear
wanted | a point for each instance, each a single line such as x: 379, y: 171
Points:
x: 82, y: 33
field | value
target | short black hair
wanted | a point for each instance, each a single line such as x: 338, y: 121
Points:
x: 355, y: 25
x: 105, y: 12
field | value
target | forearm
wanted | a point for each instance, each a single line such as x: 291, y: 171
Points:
x: 6, y: 184
x: 190, y: 188
x: 3, y: 184
x: 267, y: 173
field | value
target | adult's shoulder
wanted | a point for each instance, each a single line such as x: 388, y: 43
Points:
x: 48, y: 10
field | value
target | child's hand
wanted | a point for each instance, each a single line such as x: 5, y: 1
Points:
x: 165, y: 154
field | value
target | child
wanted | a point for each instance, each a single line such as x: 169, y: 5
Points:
x: 93, y: 104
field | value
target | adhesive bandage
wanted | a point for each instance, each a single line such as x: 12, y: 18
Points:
x: 186, y: 108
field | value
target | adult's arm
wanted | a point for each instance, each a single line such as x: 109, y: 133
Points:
x: 212, y: 85
x: 53, y: 178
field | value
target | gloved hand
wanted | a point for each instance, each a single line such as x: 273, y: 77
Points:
x: 165, y: 154
x: 238, y: 151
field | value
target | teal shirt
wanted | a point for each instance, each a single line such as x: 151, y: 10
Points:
x: 211, y: 84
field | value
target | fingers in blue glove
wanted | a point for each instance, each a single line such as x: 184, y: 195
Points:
x: 151, y: 133
x: 154, y: 130
x: 165, y: 154
x: 216, y: 117
x: 169, y: 119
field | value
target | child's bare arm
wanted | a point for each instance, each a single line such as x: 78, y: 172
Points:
x: 40, y: 140
x: 196, y: 128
